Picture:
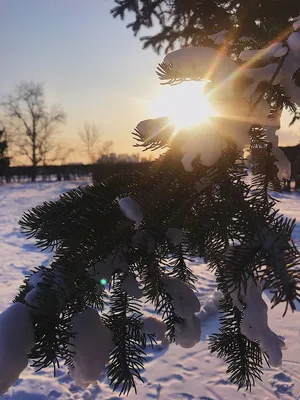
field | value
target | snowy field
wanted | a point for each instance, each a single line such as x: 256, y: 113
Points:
x: 171, y: 373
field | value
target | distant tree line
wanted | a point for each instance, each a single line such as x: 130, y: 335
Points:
x: 31, y: 131
x: 95, y: 172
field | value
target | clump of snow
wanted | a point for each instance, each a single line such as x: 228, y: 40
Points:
x: 33, y: 283
x: 150, y: 128
x: 91, y: 345
x: 197, y: 62
x: 246, y: 55
x: 188, y: 332
x: 131, y: 209
x: 185, y: 301
x: 293, y: 41
x: 187, y: 160
x: 258, y: 75
x: 263, y: 54
x: 219, y: 37
x: 153, y: 325
x: 281, y: 51
x: 131, y: 287
x: 32, y: 296
x: 282, y: 163
x: 203, y: 140
x: 175, y: 235
x: 271, y: 50
x: 296, y: 25
x: 16, y: 341
x: 255, y: 321
x: 58, y: 285
x: 290, y: 65
x: 35, y: 279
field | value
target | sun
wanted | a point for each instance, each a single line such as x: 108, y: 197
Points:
x: 184, y: 104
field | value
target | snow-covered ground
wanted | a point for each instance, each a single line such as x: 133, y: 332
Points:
x: 170, y: 373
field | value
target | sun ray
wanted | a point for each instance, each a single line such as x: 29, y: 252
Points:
x: 239, y: 71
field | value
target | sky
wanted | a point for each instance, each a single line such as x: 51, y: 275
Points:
x: 89, y: 63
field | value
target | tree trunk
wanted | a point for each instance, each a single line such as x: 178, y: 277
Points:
x: 34, y: 162
x: 33, y: 173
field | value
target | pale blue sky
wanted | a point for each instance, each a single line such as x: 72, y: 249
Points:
x: 90, y: 64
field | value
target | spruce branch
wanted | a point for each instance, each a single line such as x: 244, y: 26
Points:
x: 154, y: 290
x: 278, y: 99
x: 128, y: 356
x: 159, y: 140
x: 264, y: 170
x: 179, y: 266
x: 270, y: 83
x: 68, y: 220
x: 244, y: 357
x: 233, y: 225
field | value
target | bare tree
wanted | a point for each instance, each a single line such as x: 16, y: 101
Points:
x: 32, y: 126
x: 106, y: 147
x: 94, y: 147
